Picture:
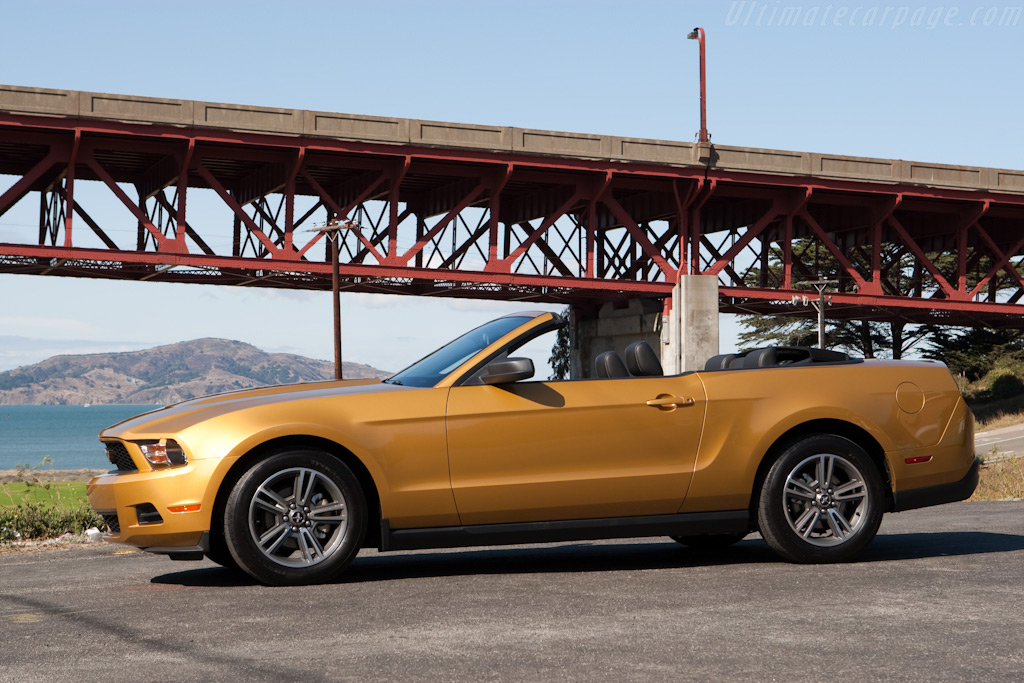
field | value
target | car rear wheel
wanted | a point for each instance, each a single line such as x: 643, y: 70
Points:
x: 297, y: 517
x: 710, y: 541
x: 822, y: 500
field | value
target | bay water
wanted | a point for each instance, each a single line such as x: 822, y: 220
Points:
x: 65, y: 434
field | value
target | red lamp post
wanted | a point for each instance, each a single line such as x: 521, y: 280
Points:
x: 698, y: 35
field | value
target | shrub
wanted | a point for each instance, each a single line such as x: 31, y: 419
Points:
x: 1004, y: 385
x: 37, y: 510
x: 37, y: 521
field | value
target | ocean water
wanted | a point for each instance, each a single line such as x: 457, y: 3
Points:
x: 67, y: 434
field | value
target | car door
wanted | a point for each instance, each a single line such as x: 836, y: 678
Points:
x: 535, y: 451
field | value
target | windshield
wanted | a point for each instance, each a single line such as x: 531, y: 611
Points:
x: 430, y: 370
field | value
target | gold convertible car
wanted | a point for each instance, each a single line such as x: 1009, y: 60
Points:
x: 805, y: 446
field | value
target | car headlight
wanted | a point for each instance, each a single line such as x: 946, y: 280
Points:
x: 163, y: 453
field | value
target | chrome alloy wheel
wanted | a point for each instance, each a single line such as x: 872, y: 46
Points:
x: 825, y: 500
x: 298, y: 517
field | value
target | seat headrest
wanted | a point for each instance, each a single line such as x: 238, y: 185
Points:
x: 642, y: 361
x: 609, y: 366
x: 761, y: 358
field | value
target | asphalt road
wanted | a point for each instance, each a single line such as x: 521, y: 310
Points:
x: 937, y: 597
x: 1004, y: 441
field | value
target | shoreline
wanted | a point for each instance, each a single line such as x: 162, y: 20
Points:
x: 50, y: 476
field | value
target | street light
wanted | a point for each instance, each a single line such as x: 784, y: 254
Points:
x: 698, y: 35
x: 331, y: 230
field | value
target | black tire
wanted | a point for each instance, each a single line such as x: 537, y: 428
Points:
x: 806, y: 522
x: 710, y: 541
x: 220, y: 554
x: 297, y: 517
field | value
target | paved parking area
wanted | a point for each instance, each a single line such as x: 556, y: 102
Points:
x: 937, y: 597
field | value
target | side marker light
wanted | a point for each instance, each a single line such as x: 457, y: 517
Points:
x: 920, y: 458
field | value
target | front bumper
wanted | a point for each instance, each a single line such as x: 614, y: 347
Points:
x: 124, y: 499
x: 939, y: 494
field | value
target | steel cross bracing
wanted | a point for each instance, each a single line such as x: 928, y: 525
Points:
x: 478, y: 223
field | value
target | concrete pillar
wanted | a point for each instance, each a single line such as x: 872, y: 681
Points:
x: 690, y: 327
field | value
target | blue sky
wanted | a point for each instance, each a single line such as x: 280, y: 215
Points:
x: 925, y: 81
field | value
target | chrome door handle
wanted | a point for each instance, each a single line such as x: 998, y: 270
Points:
x: 668, y: 401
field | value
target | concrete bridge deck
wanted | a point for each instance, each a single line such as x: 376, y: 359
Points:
x: 500, y: 140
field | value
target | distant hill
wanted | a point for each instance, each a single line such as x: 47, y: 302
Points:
x: 164, y: 374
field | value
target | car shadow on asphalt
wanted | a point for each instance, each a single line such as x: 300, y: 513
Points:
x: 371, y: 566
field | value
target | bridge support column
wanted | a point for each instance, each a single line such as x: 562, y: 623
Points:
x: 690, y: 324
x: 611, y: 327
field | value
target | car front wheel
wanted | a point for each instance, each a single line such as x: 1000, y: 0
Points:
x: 297, y: 517
x: 822, y: 500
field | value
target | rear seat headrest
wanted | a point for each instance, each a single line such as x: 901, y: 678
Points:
x: 772, y: 356
x: 721, y: 361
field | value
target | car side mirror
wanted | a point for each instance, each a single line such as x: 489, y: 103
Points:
x: 508, y: 370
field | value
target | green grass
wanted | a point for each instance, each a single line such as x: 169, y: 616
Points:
x: 58, y: 493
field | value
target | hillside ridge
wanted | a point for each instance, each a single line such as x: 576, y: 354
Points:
x: 164, y: 374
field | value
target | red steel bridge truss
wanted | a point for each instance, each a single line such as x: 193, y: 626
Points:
x: 164, y: 203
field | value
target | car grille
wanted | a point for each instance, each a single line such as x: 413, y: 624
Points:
x: 118, y: 454
x: 111, y: 519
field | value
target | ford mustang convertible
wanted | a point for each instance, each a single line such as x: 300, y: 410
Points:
x: 807, y: 447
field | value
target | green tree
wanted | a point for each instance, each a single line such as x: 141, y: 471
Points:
x: 974, y: 352
x: 862, y: 338
x: 559, y: 359
x: 903, y: 275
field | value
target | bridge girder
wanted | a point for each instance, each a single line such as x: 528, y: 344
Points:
x: 469, y: 223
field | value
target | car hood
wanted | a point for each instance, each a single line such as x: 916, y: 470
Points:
x: 176, y: 417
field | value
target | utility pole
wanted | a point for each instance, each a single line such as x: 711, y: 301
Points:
x: 819, y: 305
x: 331, y: 230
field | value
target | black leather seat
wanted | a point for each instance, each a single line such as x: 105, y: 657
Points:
x: 790, y: 355
x: 761, y: 358
x: 642, y: 361
x: 609, y: 365
x: 773, y: 356
x: 723, y: 361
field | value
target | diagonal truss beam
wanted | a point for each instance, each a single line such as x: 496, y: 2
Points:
x: 537, y: 234
x: 639, y: 238
x: 833, y: 248
x: 753, y: 231
x: 24, y: 184
x: 929, y: 265
x: 443, y: 223
x: 344, y: 211
x: 1002, y: 260
x: 162, y: 240
x: 272, y: 249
